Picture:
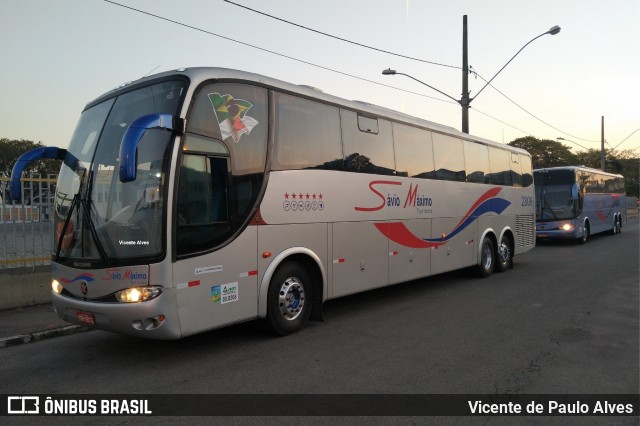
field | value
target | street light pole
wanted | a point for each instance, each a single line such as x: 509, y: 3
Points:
x: 465, y: 100
x: 602, y: 153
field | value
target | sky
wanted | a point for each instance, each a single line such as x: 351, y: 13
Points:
x: 59, y: 55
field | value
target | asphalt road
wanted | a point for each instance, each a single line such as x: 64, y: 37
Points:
x: 564, y: 320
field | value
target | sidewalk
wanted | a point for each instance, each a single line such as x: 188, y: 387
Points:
x: 32, y: 323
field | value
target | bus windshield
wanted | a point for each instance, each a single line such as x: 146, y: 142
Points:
x: 553, y: 195
x: 98, y: 218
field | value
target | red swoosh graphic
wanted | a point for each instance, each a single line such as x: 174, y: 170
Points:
x: 398, y: 233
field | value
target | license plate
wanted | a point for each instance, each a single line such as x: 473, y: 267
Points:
x: 86, y: 317
x: 543, y: 235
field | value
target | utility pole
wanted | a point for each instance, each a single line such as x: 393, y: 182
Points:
x: 602, y: 145
x: 464, y: 101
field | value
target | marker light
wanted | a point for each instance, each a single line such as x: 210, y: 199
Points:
x: 567, y: 227
x: 138, y: 294
x: 56, y: 286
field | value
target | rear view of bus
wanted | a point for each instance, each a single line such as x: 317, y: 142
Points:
x: 573, y: 203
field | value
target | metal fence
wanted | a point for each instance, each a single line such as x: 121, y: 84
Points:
x: 26, y: 229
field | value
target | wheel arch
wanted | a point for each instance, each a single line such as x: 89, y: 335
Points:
x: 509, y: 233
x: 309, y: 260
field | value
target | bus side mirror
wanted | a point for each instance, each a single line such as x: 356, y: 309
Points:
x: 131, y: 139
x: 50, y: 152
x: 574, y: 192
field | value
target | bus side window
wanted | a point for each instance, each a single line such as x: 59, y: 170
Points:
x: 476, y: 157
x: 307, y: 135
x: 414, y: 151
x: 499, y: 160
x: 448, y: 156
x: 364, y: 150
x: 516, y: 170
x: 203, y: 209
x: 527, y: 170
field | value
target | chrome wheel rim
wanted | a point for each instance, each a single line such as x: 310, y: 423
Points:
x: 504, y: 251
x: 291, y: 298
x: 487, y: 257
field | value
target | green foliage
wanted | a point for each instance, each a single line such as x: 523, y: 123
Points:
x: 11, y: 149
x: 545, y: 152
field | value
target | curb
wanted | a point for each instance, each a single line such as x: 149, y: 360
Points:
x: 41, y: 335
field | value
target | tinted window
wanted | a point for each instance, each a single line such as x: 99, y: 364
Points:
x: 366, y: 124
x: 476, y: 158
x: 236, y: 114
x: 448, y: 157
x: 307, y: 135
x: 516, y: 170
x: 367, y: 152
x: 500, y: 162
x: 527, y: 171
x: 414, y: 151
x: 203, y: 205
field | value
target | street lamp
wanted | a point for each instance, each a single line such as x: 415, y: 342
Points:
x: 465, y: 100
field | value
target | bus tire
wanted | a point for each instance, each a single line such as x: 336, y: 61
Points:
x: 616, y: 225
x: 586, y: 233
x: 487, y: 258
x: 289, y: 299
x: 505, y: 255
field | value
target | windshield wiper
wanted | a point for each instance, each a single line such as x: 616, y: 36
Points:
x: 549, y: 208
x: 86, y: 218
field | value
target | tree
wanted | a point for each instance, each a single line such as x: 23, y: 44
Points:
x: 10, y: 150
x: 545, y: 152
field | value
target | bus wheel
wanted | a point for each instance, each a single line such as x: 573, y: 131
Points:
x: 616, y: 226
x: 585, y: 234
x: 505, y: 255
x: 487, y: 258
x: 289, y: 299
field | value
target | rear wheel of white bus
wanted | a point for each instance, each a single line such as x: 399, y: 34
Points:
x: 505, y: 254
x: 289, y: 299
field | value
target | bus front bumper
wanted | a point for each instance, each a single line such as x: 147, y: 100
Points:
x: 153, y: 319
x: 564, y: 231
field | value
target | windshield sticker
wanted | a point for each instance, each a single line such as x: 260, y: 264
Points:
x: 232, y: 116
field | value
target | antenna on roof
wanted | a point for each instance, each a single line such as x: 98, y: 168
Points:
x: 150, y: 71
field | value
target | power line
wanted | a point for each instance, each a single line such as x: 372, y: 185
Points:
x: 411, y: 58
x: 626, y: 138
x: 316, y: 65
x: 341, y: 38
x: 274, y: 52
x: 500, y: 121
x: 532, y: 115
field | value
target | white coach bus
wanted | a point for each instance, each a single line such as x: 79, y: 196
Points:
x: 203, y: 197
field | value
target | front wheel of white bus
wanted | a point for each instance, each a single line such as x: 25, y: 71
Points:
x: 487, y: 258
x: 289, y: 299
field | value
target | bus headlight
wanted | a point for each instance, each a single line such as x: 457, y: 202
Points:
x: 567, y: 227
x: 138, y: 294
x: 56, y: 286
